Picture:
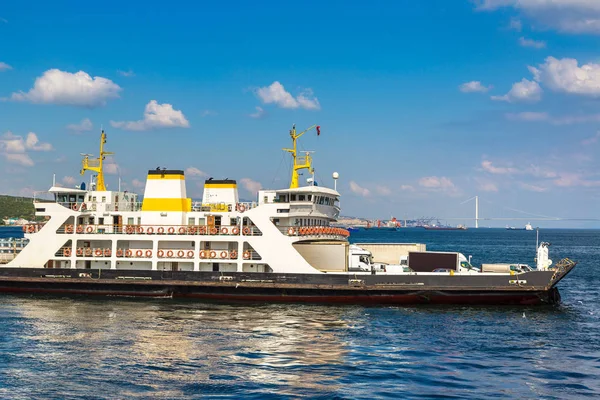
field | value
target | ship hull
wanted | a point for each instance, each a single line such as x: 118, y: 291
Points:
x: 286, y: 288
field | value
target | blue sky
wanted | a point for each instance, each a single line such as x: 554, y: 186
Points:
x: 422, y: 105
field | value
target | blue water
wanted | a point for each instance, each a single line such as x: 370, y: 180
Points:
x: 126, y: 348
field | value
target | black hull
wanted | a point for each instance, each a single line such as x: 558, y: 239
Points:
x: 277, y: 288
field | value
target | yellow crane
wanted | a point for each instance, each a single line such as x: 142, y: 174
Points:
x: 300, y: 162
x: 96, y: 164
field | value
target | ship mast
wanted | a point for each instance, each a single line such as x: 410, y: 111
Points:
x: 96, y: 165
x: 302, y: 162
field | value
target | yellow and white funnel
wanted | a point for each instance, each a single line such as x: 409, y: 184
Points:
x: 165, y: 198
x: 220, y: 192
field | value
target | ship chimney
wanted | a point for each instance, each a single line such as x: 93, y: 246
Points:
x: 222, y: 191
x: 165, y: 198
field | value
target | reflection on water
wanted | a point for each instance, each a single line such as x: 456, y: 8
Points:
x: 127, y: 348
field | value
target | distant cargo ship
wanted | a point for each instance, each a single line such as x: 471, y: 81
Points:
x: 445, y: 228
x: 528, y: 227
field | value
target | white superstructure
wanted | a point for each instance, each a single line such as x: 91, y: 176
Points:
x: 287, y: 230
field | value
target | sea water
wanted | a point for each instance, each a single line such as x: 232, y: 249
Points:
x: 61, y: 347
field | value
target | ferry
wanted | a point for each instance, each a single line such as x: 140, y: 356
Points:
x: 283, y: 247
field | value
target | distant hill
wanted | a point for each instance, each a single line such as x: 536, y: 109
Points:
x: 16, y: 207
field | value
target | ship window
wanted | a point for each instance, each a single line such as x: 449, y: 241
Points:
x: 191, y: 221
x: 139, y: 221
x: 94, y: 199
x: 310, y: 197
x: 100, y: 221
x: 89, y: 198
x: 130, y: 221
x: 301, y: 197
x: 104, y: 199
x: 276, y: 221
x: 201, y: 221
x: 293, y: 197
x: 233, y: 221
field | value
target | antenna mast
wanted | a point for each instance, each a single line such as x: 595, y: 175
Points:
x: 302, y: 162
x: 96, y: 165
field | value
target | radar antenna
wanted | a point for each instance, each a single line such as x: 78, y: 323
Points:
x: 300, y: 162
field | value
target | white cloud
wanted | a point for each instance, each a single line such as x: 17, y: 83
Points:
x: 570, y: 16
x: 208, y: 113
x: 489, y: 167
x: 528, y: 116
x: 155, y: 116
x: 383, y: 190
x: 84, y: 126
x: 250, y: 185
x: 525, y: 90
x: 536, y: 44
x: 78, y: 89
x: 276, y: 94
x: 126, y: 74
x: 15, y: 149
x: 515, y: 24
x: 359, y: 190
x: 474, y: 86
x: 439, y: 184
x: 4, y: 66
x: 258, y: 114
x: 408, y: 188
x: 111, y: 168
x: 567, y: 76
x: 532, y: 188
x: 69, y: 180
x: 193, y: 171
x: 137, y: 183
x: 488, y: 187
x: 591, y: 140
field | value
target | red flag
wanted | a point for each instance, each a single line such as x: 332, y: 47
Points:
x: 318, y: 130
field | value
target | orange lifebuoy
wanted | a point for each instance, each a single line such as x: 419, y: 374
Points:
x: 202, y: 230
x: 202, y: 254
x: 213, y: 231
x: 235, y: 231
x: 79, y: 251
x: 83, y: 207
x: 31, y: 229
x: 128, y: 253
x: 212, y: 254
x: 98, y: 252
x: 233, y: 254
x: 69, y: 229
x: 160, y: 230
x: 140, y: 229
x: 89, y: 229
x: 246, y: 255
x: 171, y: 230
x: 88, y: 251
x: 223, y: 254
x: 291, y: 231
x: 161, y: 253
x: 150, y: 230
x: 67, y: 252
x: 107, y: 252
x: 148, y: 253
x: 120, y: 253
x: 180, y: 254
x: 169, y: 253
x: 241, y: 208
x: 193, y: 230
x: 75, y: 207
x: 303, y: 231
x: 129, y: 229
x: 182, y: 230
x: 246, y: 230
x: 190, y: 254
x: 79, y: 229
x: 224, y: 231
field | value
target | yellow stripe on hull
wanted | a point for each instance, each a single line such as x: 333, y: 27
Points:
x: 177, y: 205
x: 166, y: 176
